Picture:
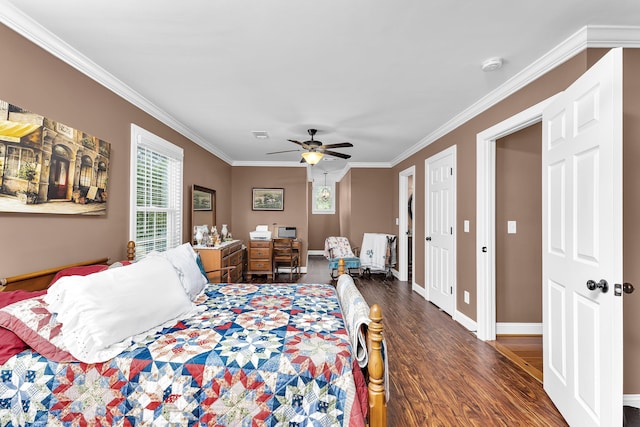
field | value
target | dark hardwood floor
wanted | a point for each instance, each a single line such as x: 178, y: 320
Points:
x: 440, y: 373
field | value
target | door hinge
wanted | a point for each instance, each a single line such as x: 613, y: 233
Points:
x: 451, y: 171
x: 451, y: 290
x: 452, y: 231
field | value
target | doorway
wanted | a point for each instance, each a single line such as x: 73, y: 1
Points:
x: 59, y: 175
x: 518, y: 231
x: 406, y: 229
x: 485, y: 214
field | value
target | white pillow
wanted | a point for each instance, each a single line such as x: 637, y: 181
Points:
x: 184, y: 261
x: 102, y: 312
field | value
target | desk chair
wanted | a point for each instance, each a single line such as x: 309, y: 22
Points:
x: 285, y: 254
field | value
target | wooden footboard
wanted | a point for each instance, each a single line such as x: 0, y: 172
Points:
x: 375, y: 367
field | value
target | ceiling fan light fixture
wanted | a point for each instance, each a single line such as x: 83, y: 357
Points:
x: 312, y: 157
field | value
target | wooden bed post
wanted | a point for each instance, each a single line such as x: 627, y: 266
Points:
x: 340, y: 266
x: 131, y: 250
x: 377, y: 397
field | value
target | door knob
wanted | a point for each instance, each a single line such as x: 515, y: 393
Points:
x: 602, y: 284
x: 428, y: 239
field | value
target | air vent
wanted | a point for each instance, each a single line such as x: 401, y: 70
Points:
x: 260, y: 134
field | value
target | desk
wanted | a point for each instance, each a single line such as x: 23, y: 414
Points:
x: 260, y: 257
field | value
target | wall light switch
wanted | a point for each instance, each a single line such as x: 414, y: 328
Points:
x: 466, y: 297
x: 397, y: 221
x: 466, y: 225
x: 511, y: 227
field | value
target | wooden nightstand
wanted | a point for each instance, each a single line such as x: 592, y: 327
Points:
x: 260, y: 258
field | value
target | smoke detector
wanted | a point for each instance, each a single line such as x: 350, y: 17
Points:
x: 260, y: 134
x: 492, y: 64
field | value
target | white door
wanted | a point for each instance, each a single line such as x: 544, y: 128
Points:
x: 440, y: 253
x: 582, y: 242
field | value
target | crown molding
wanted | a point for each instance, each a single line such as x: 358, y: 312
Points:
x: 24, y: 25
x: 587, y: 37
x: 269, y: 164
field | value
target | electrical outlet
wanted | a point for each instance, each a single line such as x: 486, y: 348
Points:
x: 466, y: 297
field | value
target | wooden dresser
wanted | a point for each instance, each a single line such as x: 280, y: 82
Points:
x: 260, y: 258
x: 227, y: 254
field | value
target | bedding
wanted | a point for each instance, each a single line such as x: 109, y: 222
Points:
x: 11, y: 343
x: 102, y: 312
x: 269, y: 354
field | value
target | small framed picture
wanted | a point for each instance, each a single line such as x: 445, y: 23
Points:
x: 267, y: 199
x: 202, y: 199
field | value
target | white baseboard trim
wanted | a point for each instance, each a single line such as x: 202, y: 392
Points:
x: 465, y: 321
x: 419, y: 290
x: 513, y: 328
x: 315, y: 252
x: 631, y: 400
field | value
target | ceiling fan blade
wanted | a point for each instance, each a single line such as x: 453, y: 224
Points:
x: 340, y: 145
x: 285, y: 151
x: 302, y: 144
x: 336, y: 154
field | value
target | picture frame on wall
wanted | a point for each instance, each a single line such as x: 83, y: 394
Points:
x: 202, y: 199
x: 267, y: 199
x: 44, y: 162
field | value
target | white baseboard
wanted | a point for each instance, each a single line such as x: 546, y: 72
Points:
x: 512, y: 328
x: 419, y: 290
x: 315, y: 252
x: 631, y: 400
x: 465, y: 321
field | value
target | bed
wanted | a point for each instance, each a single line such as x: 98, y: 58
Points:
x: 267, y: 354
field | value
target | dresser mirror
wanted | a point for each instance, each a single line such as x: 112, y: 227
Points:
x: 203, y: 207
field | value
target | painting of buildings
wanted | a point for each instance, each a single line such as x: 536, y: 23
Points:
x: 49, y: 167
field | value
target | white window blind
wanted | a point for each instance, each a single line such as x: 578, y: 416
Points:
x: 156, y: 192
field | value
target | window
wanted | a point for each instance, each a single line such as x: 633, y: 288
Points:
x: 86, y: 171
x: 324, y: 198
x: 156, y: 192
x: 101, y: 180
x: 17, y: 159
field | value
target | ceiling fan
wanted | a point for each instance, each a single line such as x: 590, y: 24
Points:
x: 316, y: 149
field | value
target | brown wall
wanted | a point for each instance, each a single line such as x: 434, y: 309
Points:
x: 631, y: 213
x: 296, y: 194
x: 38, y: 82
x: 367, y: 209
x: 322, y: 226
x: 519, y: 198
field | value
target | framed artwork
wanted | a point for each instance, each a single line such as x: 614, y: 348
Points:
x: 43, y: 161
x: 267, y: 199
x: 202, y: 199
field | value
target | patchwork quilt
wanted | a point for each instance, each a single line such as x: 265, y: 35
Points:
x: 255, y: 355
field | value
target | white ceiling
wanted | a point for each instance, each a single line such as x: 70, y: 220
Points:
x: 387, y: 75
